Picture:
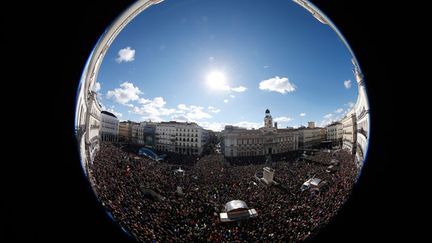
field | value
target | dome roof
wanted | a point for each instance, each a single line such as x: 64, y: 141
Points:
x: 235, y: 205
x: 108, y: 113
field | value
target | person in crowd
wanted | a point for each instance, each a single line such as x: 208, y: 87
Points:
x: 142, y: 195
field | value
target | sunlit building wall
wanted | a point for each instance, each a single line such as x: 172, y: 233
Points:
x: 349, y: 131
x: 93, y: 122
x: 334, y: 133
x: 179, y: 137
x: 239, y: 142
x: 310, y: 137
x: 136, y: 133
x: 125, y: 131
x: 361, y: 109
x: 109, y: 127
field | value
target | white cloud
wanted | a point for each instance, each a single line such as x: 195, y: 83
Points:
x: 219, y: 126
x: 180, y: 118
x: 347, y: 84
x: 214, y: 126
x: 328, y: 116
x: 126, y: 55
x: 325, y: 122
x: 192, y: 113
x: 248, y: 125
x: 197, y: 113
x: 213, y: 109
x: 232, y: 96
x: 302, y: 114
x: 127, y: 92
x: 283, y: 119
x: 143, y: 101
x: 156, y: 111
x: 153, y: 109
x: 281, y: 85
x: 225, y: 101
x: 152, y: 118
x: 182, y: 107
x: 96, y: 87
x: 159, y: 102
x: 118, y: 114
x: 239, y: 89
x: 350, y: 104
x: 266, y: 66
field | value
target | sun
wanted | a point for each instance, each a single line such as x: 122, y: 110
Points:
x: 217, y: 80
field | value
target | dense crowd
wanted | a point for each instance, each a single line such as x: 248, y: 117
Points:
x: 260, y: 159
x: 144, y: 198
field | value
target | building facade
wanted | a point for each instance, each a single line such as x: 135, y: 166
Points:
x: 238, y: 142
x: 125, y: 131
x: 311, y: 136
x: 356, y: 122
x: 179, y: 137
x: 109, y: 127
x: 349, y: 132
x: 334, y: 133
x: 361, y: 109
x: 149, y: 134
x: 93, y: 123
x: 136, y: 133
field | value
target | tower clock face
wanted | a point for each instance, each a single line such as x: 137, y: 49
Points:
x: 225, y: 121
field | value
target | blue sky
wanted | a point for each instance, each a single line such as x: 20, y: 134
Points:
x: 225, y: 62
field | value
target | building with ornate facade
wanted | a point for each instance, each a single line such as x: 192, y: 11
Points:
x: 349, y: 131
x: 180, y: 137
x: 125, y: 131
x: 109, y: 127
x: 334, y: 133
x: 361, y: 109
x: 356, y: 122
x: 137, y: 133
x: 87, y: 132
x: 310, y: 136
x: 93, y: 123
x: 237, y: 142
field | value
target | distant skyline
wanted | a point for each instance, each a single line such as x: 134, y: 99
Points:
x: 224, y: 62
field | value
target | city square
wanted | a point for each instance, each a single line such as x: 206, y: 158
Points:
x: 224, y: 155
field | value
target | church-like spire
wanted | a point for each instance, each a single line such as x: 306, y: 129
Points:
x: 268, y: 120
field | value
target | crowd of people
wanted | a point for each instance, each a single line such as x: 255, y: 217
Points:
x: 260, y: 159
x: 153, y: 203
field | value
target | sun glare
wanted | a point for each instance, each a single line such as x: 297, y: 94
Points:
x: 217, y: 81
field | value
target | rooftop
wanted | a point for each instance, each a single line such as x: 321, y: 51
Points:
x: 108, y: 113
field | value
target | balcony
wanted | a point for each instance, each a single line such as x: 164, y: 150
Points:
x: 362, y: 131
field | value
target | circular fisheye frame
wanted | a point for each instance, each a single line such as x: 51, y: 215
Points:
x: 222, y: 120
